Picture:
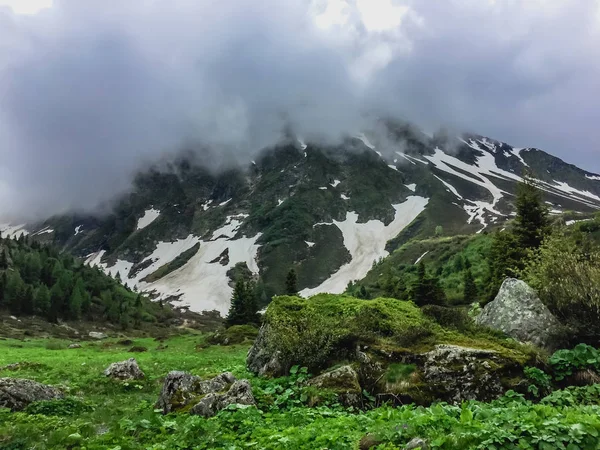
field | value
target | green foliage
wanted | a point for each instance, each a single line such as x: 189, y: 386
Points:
x: 531, y: 222
x: 540, y: 383
x: 113, y: 415
x: 565, y: 362
x: 322, y: 330
x: 510, y: 249
x: 244, y: 306
x: 69, y: 406
x: 40, y: 280
x: 291, y: 283
x: 470, y: 288
x: 566, y: 274
x: 427, y: 289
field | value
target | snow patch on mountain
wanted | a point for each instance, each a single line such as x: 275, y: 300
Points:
x: 343, y: 197
x: 202, y: 283
x: 593, y: 177
x: 12, y: 231
x: 45, y: 230
x: 366, y: 243
x: 149, y: 216
x: 310, y: 244
x: 78, y: 229
x: 412, y: 186
x: 335, y: 183
x: 450, y: 188
x: 561, y: 185
x: 517, y: 153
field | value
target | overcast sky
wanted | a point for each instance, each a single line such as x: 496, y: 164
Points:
x: 90, y: 90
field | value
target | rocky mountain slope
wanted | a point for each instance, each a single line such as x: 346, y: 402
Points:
x: 329, y: 212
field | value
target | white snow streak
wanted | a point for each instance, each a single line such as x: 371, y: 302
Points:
x: 421, y: 257
x: 449, y: 187
x: 517, y: 153
x: 344, y: 197
x: 412, y: 186
x: 279, y: 202
x: 149, y: 216
x: 335, y: 183
x: 366, y: 243
x: 323, y: 188
x: 225, y: 202
x: 593, y: 177
x: 310, y: 244
x: 78, y: 229
x: 391, y: 166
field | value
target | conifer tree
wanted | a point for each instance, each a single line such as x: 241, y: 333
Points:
x: 75, y: 303
x: 291, y: 283
x: 41, y: 300
x: 243, y: 309
x: 470, y: 288
x: 4, y: 259
x: 531, y: 222
x: 15, y: 291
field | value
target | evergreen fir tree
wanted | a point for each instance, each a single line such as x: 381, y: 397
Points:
x: 237, y: 310
x: 2, y: 289
x: 291, y: 283
x: 27, y: 300
x: 4, y: 259
x: 41, y: 300
x: 75, y: 304
x: 470, y: 288
x: 531, y: 222
x: 57, y: 298
x: 14, y: 293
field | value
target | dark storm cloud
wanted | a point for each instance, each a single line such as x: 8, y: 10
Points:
x: 89, y: 92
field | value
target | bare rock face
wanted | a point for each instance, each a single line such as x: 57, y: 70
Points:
x: 518, y: 311
x: 184, y: 392
x: 460, y: 373
x: 344, y: 382
x: 125, y: 370
x: 16, y: 393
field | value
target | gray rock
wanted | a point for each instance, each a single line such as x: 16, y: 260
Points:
x: 518, y: 312
x: 183, y: 391
x: 261, y: 360
x: 240, y: 393
x: 125, y: 370
x: 74, y: 346
x: 417, y: 443
x: 457, y: 374
x: 97, y: 335
x: 344, y: 382
x: 16, y: 393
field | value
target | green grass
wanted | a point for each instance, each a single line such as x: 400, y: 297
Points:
x: 103, y: 414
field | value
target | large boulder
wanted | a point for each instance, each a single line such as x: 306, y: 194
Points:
x: 518, y: 311
x: 344, y: 382
x: 456, y: 374
x: 262, y: 360
x: 16, y: 393
x: 125, y: 370
x: 184, y: 392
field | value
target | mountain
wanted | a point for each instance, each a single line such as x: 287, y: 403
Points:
x: 184, y: 232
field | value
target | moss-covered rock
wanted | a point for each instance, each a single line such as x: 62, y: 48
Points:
x: 183, y: 392
x: 343, y: 382
x: 397, y: 352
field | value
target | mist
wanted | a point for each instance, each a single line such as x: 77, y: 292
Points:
x: 91, y: 93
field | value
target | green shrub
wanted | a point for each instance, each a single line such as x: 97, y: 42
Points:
x: 567, y: 278
x: 63, y: 407
x: 565, y: 362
